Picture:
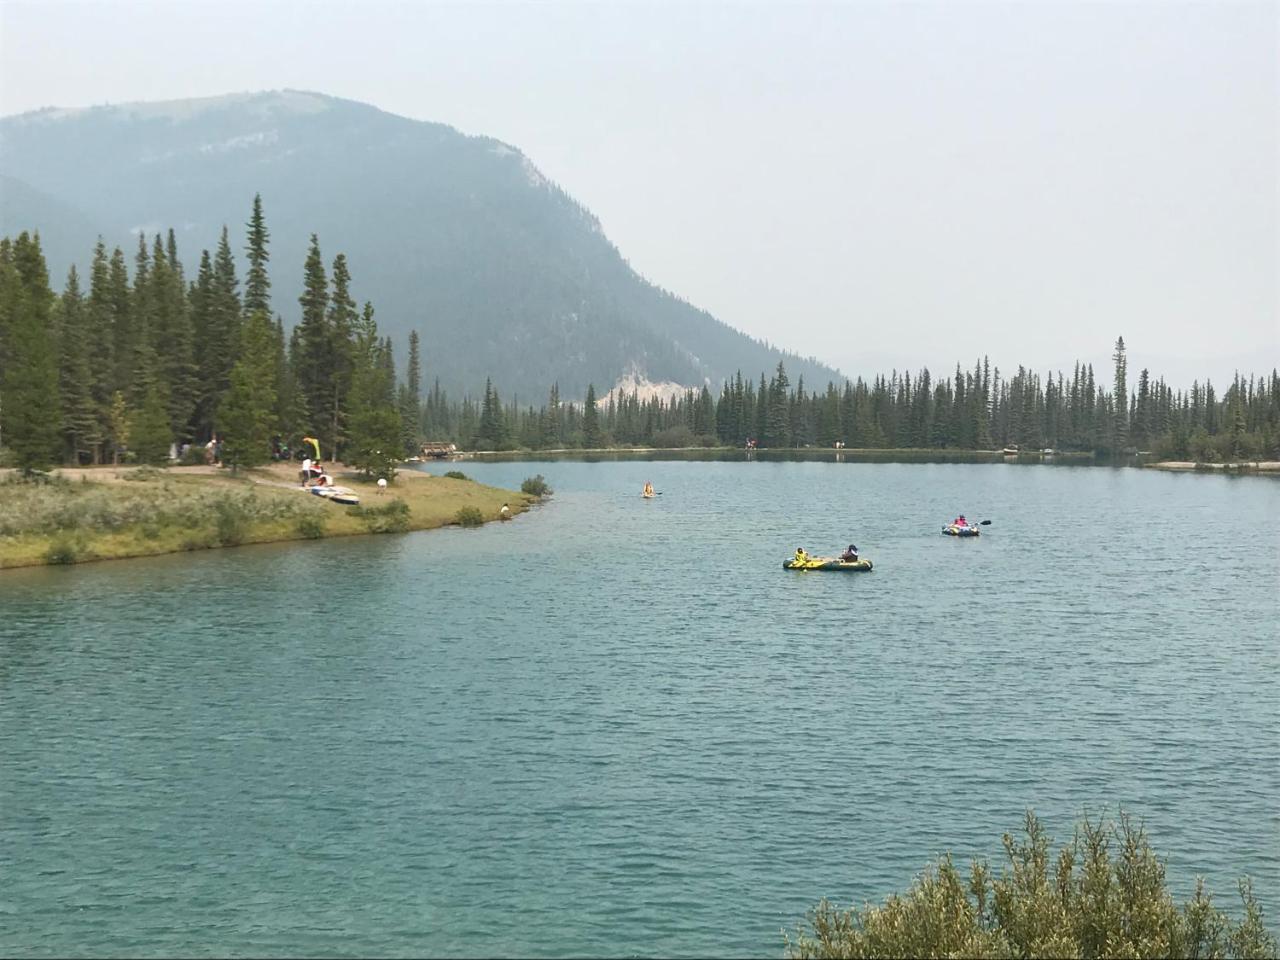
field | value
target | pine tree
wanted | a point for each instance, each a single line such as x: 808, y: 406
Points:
x: 257, y: 283
x: 411, y: 400
x: 29, y: 402
x: 492, y: 433
x: 592, y: 438
x: 248, y: 412
x: 143, y: 364
x: 172, y: 338
x: 80, y: 428
x: 1120, y: 394
x: 375, y: 441
x: 777, y: 432
x: 100, y: 343
x: 312, y: 357
x: 120, y: 299
x: 341, y: 325
x: 149, y: 430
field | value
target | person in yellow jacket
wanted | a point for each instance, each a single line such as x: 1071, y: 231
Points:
x: 801, y: 557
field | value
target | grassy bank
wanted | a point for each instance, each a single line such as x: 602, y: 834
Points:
x: 107, y: 514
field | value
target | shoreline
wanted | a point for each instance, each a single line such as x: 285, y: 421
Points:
x: 135, y: 512
x: 1199, y: 466
x: 885, y: 454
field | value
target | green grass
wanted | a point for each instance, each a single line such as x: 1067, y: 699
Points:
x: 62, y: 522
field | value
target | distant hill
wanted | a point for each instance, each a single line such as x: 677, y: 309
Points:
x: 459, y: 237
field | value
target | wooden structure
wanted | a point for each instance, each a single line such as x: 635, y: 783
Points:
x: 438, y: 451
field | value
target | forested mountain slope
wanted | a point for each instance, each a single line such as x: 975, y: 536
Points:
x: 458, y: 237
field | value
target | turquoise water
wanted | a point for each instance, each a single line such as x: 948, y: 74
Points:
x: 617, y: 726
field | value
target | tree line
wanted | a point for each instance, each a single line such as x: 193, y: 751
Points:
x: 971, y: 409
x: 144, y: 360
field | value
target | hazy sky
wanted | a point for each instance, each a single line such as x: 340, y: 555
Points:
x: 875, y: 183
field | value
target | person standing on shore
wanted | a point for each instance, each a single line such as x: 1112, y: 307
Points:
x: 306, y: 472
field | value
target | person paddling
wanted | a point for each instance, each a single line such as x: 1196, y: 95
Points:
x: 960, y: 521
x: 850, y: 555
x: 801, y: 557
x: 648, y: 489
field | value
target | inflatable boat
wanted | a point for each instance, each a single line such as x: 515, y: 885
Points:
x: 826, y: 563
x: 952, y: 530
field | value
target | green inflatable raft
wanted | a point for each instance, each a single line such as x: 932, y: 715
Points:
x: 826, y: 563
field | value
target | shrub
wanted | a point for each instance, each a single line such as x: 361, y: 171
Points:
x: 536, y: 486
x: 311, y: 526
x: 231, y: 523
x: 469, y: 517
x: 389, y: 518
x: 64, y: 550
x: 457, y: 475
x: 198, y: 540
x: 1038, y: 908
x: 145, y: 474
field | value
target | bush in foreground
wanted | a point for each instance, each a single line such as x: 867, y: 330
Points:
x: 1088, y: 903
x: 392, y: 517
x: 469, y: 517
x: 457, y: 475
x: 536, y: 486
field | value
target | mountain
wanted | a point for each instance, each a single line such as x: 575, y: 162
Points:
x: 459, y: 237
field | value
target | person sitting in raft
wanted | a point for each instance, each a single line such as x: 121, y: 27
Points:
x: 960, y: 521
x: 850, y: 555
x: 801, y: 556
x: 648, y: 489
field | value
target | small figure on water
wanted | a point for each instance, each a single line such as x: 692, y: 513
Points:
x: 801, y: 556
x: 648, y: 490
x: 850, y: 555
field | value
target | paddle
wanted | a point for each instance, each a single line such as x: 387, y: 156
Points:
x: 985, y: 523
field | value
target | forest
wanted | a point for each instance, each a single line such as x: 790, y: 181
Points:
x: 142, y: 364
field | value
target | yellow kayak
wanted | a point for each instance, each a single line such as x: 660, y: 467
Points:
x: 828, y: 563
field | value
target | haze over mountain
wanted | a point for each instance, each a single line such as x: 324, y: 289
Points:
x: 459, y: 237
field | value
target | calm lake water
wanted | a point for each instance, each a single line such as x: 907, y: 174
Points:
x: 617, y: 726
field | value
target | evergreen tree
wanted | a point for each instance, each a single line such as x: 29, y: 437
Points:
x: 312, y: 357
x: 100, y: 335
x: 80, y: 428
x: 777, y: 432
x: 149, y: 430
x: 492, y: 433
x: 411, y: 400
x: 29, y: 402
x: 248, y: 412
x: 341, y: 326
x: 172, y: 338
x: 257, y: 283
x: 592, y: 437
x: 120, y: 300
x: 1120, y: 396
x: 375, y: 445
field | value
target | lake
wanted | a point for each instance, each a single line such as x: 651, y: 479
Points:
x: 617, y: 726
